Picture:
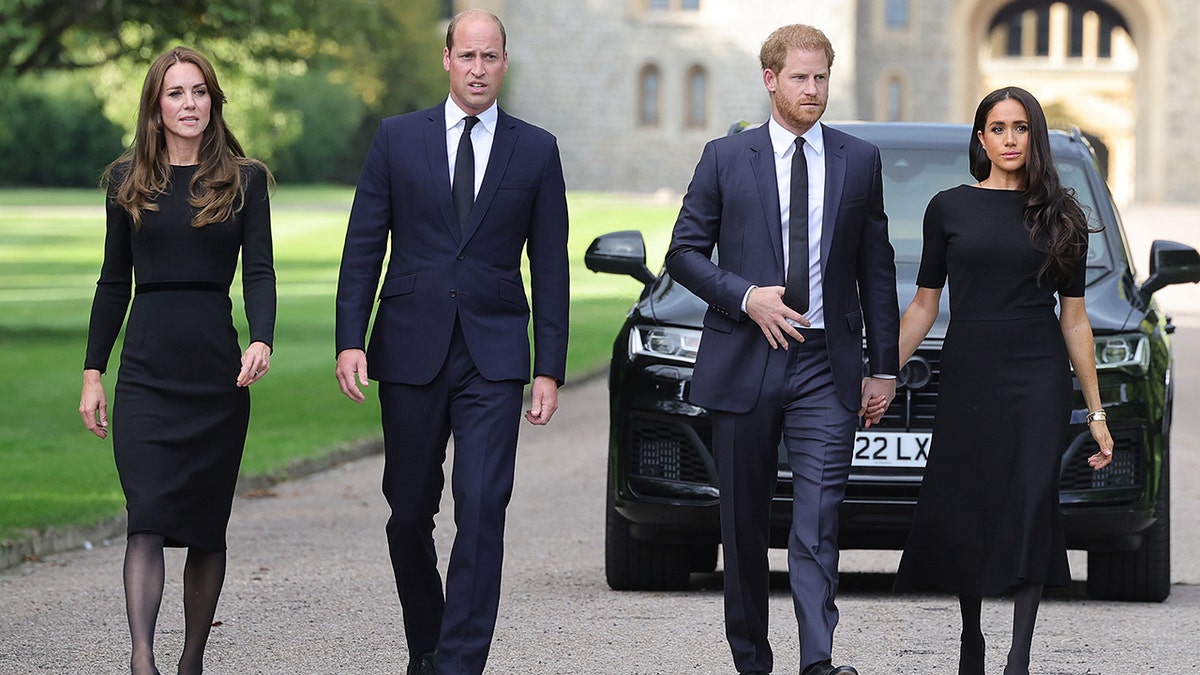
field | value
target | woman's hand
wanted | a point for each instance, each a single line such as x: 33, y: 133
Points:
x: 1099, y: 429
x: 875, y: 401
x: 93, y: 404
x: 256, y: 361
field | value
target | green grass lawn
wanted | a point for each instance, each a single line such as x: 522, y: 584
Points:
x: 54, y: 474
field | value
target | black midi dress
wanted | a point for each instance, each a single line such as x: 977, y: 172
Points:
x: 179, y: 421
x: 987, y: 519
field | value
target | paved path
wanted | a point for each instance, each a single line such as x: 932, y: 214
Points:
x: 309, y: 589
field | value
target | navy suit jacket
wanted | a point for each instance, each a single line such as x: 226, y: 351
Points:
x: 733, y: 204
x: 437, y: 271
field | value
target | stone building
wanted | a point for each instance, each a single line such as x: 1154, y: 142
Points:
x: 634, y: 88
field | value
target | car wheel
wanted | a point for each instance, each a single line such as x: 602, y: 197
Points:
x: 632, y: 565
x: 1144, y: 574
x: 704, y: 558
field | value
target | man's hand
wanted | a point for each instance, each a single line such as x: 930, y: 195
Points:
x: 351, y: 362
x: 765, y: 306
x: 544, y: 395
x: 877, y: 395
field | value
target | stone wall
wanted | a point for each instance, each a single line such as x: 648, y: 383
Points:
x: 575, y: 66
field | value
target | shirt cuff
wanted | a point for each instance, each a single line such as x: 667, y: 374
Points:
x: 884, y: 377
x: 747, y: 297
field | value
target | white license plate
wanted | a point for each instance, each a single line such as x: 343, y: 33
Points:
x: 891, y: 448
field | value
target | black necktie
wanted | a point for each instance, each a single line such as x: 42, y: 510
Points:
x: 463, y: 189
x: 795, y: 290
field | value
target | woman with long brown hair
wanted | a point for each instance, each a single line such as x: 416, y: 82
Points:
x: 183, y: 203
x: 987, y: 520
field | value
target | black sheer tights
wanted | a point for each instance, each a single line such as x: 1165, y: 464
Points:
x: 971, y: 650
x: 203, y: 576
x: 1026, y: 599
x: 1025, y: 607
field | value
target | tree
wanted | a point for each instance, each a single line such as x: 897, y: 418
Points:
x: 385, y: 55
x: 40, y: 35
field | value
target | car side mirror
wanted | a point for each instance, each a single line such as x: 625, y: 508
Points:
x: 619, y: 253
x: 1170, y: 263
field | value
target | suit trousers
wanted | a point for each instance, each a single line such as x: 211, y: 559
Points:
x: 799, y: 402
x: 418, y: 420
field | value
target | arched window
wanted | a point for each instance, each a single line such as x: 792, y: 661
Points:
x: 1070, y: 29
x: 649, y: 96
x: 696, y: 104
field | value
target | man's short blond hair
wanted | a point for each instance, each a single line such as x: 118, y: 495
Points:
x: 774, y: 51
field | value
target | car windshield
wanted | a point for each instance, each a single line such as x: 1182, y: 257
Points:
x: 912, y: 176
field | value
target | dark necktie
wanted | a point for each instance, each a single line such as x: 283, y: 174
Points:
x: 795, y: 290
x: 463, y: 189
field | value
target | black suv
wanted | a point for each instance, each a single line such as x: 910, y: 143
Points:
x: 662, y: 514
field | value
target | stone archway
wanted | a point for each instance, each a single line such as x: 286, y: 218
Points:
x: 1129, y: 116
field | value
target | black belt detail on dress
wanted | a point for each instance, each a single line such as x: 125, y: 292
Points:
x: 160, y: 286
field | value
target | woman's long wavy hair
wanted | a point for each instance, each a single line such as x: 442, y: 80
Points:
x: 1055, y: 220
x: 143, y: 172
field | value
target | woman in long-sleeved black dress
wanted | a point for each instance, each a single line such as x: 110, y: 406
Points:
x: 987, y: 521
x: 183, y: 203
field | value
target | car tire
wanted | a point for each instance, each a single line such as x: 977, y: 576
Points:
x: 1144, y: 574
x: 704, y: 558
x: 632, y: 565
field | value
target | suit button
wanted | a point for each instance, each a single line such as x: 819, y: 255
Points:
x: 453, y: 294
x: 462, y: 257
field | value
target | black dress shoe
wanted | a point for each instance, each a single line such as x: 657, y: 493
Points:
x: 425, y: 664
x: 827, y: 668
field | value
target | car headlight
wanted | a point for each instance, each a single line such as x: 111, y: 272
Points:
x: 1122, y: 350
x: 665, y: 342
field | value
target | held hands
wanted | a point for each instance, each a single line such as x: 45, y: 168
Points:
x: 256, y: 361
x: 877, y: 395
x: 351, y: 362
x: 93, y: 404
x: 544, y: 400
x: 1099, y: 429
x: 765, y: 306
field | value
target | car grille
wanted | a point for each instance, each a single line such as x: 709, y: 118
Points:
x: 916, y: 393
x: 864, y: 490
x: 1125, y: 471
x: 665, y: 449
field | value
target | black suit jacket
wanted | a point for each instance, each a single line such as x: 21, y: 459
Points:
x: 733, y: 204
x: 437, y: 272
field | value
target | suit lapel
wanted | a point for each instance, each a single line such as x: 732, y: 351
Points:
x: 503, y: 143
x: 762, y: 161
x: 439, y: 167
x: 835, y: 179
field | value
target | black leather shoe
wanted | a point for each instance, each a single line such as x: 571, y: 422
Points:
x: 827, y: 668
x: 425, y: 664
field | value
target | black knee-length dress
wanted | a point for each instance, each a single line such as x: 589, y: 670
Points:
x: 178, y: 420
x: 987, y: 519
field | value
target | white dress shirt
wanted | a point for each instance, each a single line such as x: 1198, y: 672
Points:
x: 481, y: 138
x: 783, y: 142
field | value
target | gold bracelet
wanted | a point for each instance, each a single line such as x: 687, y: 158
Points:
x: 1097, y: 415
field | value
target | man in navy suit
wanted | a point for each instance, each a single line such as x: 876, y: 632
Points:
x: 461, y: 189
x: 803, y: 264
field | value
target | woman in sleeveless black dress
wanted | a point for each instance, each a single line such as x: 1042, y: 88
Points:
x: 987, y: 520
x: 183, y: 203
